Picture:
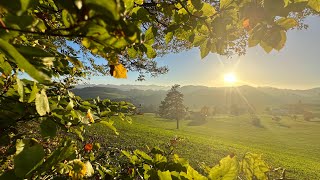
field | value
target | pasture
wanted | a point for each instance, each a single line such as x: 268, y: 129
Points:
x: 292, y: 144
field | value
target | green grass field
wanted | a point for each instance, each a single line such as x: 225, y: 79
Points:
x: 293, y: 144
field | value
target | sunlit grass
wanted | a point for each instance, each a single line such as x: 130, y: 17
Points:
x: 291, y: 144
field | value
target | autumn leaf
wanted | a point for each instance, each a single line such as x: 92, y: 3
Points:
x: 118, y: 71
x: 89, y: 116
x: 88, y: 147
x: 246, y: 24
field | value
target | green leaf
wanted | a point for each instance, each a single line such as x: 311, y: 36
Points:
x: 158, y: 158
x: 9, y: 175
x: 26, y: 161
x: 20, y: 90
x: 70, y: 105
x: 139, y: 2
x: 63, y: 168
x: 5, y: 35
x: 42, y: 103
x: 227, y: 169
x: 32, y: 51
x: 61, y: 153
x: 33, y: 93
x: 21, y: 144
x: 66, y: 18
x: 266, y: 47
x: 287, y: 23
x: 132, y: 52
x: 110, y: 126
x: 197, y: 4
x: 149, y: 35
x: 286, y: 2
x: 164, y: 175
x: 5, y: 67
x: 143, y: 155
x: 110, y: 8
x: 253, y: 42
x: 48, y: 128
x: 253, y: 166
x: 282, y: 42
x: 19, y: 6
x: 208, y: 10
x: 192, y: 174
x: 151, y: 53
x: 89, y: 168
x: 128, y: 4
x: 204, y: 49
x: 22, y: 63
x: 224, y: 4
x: 78, y: 132
x: 168, y: 37
x: 315, y: 5
x: 76, y: 62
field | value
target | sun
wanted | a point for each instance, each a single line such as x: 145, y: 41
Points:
x: 230, y: 78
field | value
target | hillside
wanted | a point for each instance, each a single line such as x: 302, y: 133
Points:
x: 198, y: 96
x: 288, y: 143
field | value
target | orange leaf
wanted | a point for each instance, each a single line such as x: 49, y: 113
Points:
x: 119, y: 71
x: 246, y: 24
x: 88, y: 147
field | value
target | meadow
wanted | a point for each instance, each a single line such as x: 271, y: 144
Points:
x: 292, y: 144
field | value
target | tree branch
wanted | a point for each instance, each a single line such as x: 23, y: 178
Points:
x: 42, y: 33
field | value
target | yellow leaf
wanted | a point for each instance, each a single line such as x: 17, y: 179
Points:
x: 119, y: 71
x: 89, y: 116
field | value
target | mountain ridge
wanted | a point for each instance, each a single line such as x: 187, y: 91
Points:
x: 196, y: 97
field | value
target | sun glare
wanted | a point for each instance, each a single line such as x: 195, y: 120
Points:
x: 230, y: 78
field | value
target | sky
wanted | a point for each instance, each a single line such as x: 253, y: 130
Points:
x: 296, y: 66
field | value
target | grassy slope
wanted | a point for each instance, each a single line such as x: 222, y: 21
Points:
x: 291, y: 144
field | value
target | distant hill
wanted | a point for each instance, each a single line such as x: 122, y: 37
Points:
x: 126, y: 87
x: 198, y: 96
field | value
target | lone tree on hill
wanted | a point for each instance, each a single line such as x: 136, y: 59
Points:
x: 172, y: 106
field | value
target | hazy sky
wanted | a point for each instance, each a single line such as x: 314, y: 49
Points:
x: 295, y: 66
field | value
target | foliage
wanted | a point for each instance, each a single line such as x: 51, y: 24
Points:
x: 172, y: 106
x: 43, y: 39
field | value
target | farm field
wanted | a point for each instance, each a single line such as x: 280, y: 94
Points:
x: 293, y: 144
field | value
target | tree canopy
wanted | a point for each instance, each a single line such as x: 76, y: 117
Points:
x: 57, y: 43
x: 172, y: 106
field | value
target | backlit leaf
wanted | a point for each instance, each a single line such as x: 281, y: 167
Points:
x: 164, y: 175
x: 287, y: 23
x: 27, y: 159
x: 42, y: 103
x: 208, y: 10
x: 20, y: 89
x: 22, y: 63
x: 109, y: 8
x: 140, y: 2
x: 119, y: 71
x: 109, y: 124
x: 314, y: 4
x: 253, y: 166
x: 33, y: 93
x: 227, y: 169
x: 225, y: 3
x: 151, y: 53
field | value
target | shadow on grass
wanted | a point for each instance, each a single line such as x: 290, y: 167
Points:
x: 165, y: 120
x: 317, y: 120
x: 197, y: 122
x: 283, y: 125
